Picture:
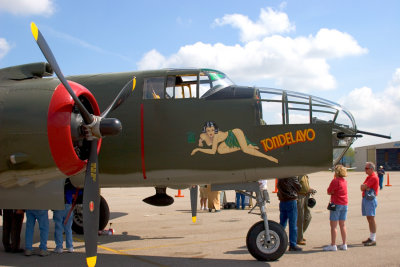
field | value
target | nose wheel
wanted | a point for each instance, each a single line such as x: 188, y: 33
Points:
x: 266, y: 251
x: 266, y: 240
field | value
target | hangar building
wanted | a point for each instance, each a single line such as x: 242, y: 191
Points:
x: 387, y: 155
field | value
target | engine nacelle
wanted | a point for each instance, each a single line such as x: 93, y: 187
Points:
x: 41, y: 139
x: 63, y: 149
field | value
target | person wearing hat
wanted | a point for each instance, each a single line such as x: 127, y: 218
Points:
x: 338, y: 192
x: 381, y: 173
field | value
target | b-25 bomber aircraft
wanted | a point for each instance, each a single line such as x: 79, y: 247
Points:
x: 181, y: 128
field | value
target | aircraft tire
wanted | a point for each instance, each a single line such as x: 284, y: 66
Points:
x: 104, y: 214
x: 77, y: 223
x: 255, y: 237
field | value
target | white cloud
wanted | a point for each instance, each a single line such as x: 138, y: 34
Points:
x: 376, y: 112
x: 380, y: 109
x: 364, y: 104
x: 335, y: 44
x: 299, y: 63
x: 28, y: 7
x: 4, y: 47
x: 269, y: 22
x: 152, y: 60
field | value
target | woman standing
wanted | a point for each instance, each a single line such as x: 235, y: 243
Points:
x: 338, y: 192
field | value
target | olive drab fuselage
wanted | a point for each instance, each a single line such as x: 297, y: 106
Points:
x: 163, y: 123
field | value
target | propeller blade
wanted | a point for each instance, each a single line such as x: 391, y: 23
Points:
x: 91, y: 206
x: 87, y: 117
x: 121, y: 97
x: 97, y: 126
x: 193, y: 201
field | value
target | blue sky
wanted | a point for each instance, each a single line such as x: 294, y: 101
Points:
x: 344, y: 51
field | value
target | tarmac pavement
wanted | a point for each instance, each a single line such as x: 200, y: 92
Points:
x: 155, y: 236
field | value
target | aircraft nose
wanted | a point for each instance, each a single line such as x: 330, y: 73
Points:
x: 288, y: 107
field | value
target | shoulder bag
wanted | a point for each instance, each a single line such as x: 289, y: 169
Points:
x: 370, y: 194
x: 331, y: 206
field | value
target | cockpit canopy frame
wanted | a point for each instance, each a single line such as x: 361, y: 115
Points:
x: 287, y: 107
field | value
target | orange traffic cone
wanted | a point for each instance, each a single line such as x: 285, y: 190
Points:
x: 388, y: 182
x: 179, y: 194
x: 276, y: 186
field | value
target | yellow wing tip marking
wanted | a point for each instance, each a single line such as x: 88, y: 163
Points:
x: 194, y: 218
x: 91, y: 261
x: 35, y: 30
x: 133, y: 83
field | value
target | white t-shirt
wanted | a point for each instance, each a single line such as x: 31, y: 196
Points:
x: 263, y: 184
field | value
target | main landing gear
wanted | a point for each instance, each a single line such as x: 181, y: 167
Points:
x: 266, y: 240
x: 77, y: 221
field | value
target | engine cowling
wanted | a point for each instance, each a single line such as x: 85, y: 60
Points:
x: 65, y: 135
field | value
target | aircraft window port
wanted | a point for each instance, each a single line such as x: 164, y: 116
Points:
x: 153, y: 88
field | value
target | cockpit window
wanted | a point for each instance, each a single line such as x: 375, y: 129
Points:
x: 212, y: 81
x: 189, y: 85
x: 205, y: 83
x: 218, y: 79
x: 182, y: 86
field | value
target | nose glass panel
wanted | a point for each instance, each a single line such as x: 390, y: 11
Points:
x: 288, y: 107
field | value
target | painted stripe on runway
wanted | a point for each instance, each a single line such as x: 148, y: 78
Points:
x: 121, y: 252
x: 183, y: 244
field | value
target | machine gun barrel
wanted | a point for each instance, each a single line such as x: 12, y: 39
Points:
x: 375, y: 134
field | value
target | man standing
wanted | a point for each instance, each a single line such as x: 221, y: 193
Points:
x: 303, y: 211
x: 381, y: 173
x: 42, y: 216
x: 12, y: 225
x: 288, y: 189
x: 203, y: 197
x: 240, y: 199
x: 213, y: 199
x: 369, y: 204
x: 61, y: 224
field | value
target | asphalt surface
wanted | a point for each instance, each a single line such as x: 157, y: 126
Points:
x: 154, y: 236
